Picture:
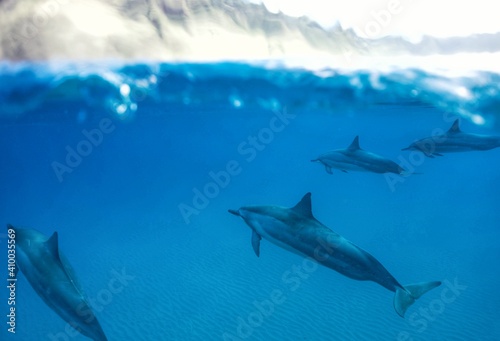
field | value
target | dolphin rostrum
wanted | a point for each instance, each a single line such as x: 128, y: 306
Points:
x: 454, y: 140
x: 356, y: 159
x: 297, y: 230
x: 51, y: 276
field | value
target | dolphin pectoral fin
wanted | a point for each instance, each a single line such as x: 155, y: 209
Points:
x: 409, y: 173
x: 235, y: 212
x: 256, y: 243
x: 437, y: 154
x: 328, y: 170
x: 405, y: 297
x: 343, y: 170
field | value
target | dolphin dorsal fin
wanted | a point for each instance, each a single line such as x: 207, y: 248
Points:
x: 304, y: 206
x: 455, y: 127
x: 355, y: 144
x: 53, y: 245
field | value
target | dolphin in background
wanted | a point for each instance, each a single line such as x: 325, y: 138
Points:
x: 297, y: 230
x: 356, y: 159
x: 51, y: 276
x: 454, y: 140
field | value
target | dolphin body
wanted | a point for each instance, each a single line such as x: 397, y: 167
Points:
x: 356, y: 159
x: 295, y: 229
x: 51, y: 276
x: 454, y: 140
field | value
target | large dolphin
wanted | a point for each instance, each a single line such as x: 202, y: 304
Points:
x: 454, y: 140
x: 295, y: 229
x: 51, y: 276
x: 356, y: 159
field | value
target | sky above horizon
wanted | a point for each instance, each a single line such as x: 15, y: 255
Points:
x: 408, y: 18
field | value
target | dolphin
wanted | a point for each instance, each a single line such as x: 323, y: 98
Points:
x: 51, y: 276
x: 454, y: 140
x: 356, y: 159
x: 296, y: 229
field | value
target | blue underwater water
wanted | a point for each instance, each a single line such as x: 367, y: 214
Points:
x: 135, y: 167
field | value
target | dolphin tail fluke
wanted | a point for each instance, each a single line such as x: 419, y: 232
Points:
x: 406, y: 296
